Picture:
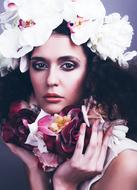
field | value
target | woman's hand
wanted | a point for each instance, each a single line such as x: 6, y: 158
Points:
x: 81, y: 166
x: 38, y: 179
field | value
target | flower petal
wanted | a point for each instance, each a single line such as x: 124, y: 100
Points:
x: 23, y: 64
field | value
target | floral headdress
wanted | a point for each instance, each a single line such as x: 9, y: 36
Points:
x: 28, y: 24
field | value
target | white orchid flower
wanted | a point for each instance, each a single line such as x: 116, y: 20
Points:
x: 12, y: 4
x: 83, y: 18
x: 32, y: 28
x: 113, y: 38
x: 37, y: 25
x: 10, y: 46
x: 23, y: 64
x: 28, y: 24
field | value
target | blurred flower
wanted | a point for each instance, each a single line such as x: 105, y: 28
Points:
x: 113, y: 38
x: 16, y: 130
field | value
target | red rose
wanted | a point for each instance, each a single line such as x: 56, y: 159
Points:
x: 67, y: 138
x: 15, y: 130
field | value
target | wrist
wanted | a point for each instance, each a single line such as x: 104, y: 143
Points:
x: 59, y: 184
x: 38, y: 179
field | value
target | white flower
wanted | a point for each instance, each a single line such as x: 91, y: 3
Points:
x: 37, y: 24
x: 4, y: 61
x: 23, y: 64
x: 83, y: 18
x: 123, y: 60
x: 29, y: 28
x: 34, y: 138
x: 10, y: 46
x: 5, y: 64
x: 113, y: 38
x: 85, y: 116
x: 29, y: 23
x: 12, y: 4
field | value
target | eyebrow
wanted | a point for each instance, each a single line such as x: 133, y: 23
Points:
x: 68, y: 57
x: 37, y: 58
x: 63, y: 58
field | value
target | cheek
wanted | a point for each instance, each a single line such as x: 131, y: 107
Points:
x: 37, y: 82
x: 75, y: 85
x: 78, y: 85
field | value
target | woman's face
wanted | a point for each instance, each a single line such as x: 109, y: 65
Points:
x: 57, y: 72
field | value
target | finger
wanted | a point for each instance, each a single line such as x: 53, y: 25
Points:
x: 20, y: 152
x: 80, y: 143
x: 93, y: 140
x: 104, y: 148
x: 97, y: 151
x: 24, y: 155
x: 12, y: 147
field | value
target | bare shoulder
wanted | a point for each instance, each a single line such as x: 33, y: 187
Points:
x: 126, y: 162
x: 124, y: 166
x: 121, y: 173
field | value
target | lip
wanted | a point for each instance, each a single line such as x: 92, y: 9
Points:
x: 53, y: 98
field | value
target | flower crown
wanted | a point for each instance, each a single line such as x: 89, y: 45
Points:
x: 28, y: 24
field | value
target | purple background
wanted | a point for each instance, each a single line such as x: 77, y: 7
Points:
x: 124, y: 7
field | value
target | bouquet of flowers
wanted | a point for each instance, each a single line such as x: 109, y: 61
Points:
x: 55, y: 136
x: 52, y: 138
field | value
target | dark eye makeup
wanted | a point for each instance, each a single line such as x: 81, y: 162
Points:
x: 39, y: 63
x: 65, y: 63
x: 68, y: 65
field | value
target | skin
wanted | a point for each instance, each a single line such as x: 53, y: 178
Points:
x: 55, y: 69
x: 121, y: 173
x: 69, y: 85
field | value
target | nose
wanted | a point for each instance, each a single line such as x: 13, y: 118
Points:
x: 52, y: 77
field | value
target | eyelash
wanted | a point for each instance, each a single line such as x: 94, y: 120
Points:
x: 69, y: 66
x: 65, y: 66
x: 39, y: 65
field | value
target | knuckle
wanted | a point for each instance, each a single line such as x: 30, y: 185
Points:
x: 92, y: 145
x: 74, y: 164
x: 99, y: 143
x: 79, y: 145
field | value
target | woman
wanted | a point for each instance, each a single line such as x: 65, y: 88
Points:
x: 62, y: 73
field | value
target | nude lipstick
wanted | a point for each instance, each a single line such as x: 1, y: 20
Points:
x: 53, y: 98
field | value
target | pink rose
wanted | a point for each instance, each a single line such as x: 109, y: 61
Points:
x: 63, y: 142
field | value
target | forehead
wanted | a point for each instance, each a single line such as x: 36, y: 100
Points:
x: 57, y: 46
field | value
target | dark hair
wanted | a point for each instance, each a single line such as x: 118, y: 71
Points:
x: 109, y: 84
x: 115, y: 88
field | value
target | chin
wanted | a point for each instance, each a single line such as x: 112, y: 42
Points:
x: 53, y: 109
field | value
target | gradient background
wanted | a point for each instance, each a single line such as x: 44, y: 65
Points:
x: 124, y: 7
